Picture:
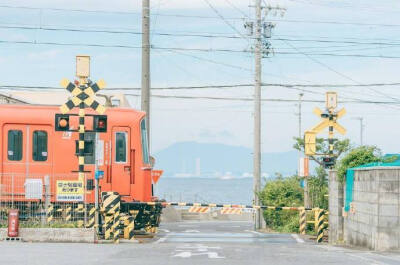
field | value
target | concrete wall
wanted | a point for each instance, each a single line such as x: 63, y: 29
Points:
x: 373, y: 219
x: 335, y: 209
x: 74, y: 235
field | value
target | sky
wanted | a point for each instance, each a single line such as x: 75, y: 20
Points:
x: 315, y: 42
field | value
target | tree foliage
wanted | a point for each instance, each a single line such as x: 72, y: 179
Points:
x: 357, y: 157
x: 322, y: 147
x: 318, y: 188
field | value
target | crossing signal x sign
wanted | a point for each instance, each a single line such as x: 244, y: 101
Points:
x: 82, y: 95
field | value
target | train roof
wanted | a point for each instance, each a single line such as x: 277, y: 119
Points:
x: 11, y: 110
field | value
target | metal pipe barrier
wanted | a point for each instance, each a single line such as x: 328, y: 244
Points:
x: 45, y: 200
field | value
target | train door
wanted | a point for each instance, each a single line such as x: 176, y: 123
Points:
x: 26, y: 150
x: 121, y: 164
x: 15, y: 140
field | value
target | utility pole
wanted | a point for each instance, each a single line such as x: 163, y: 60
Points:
x: 300, y: 98
x: 361, y: 119
x: 305, y: 180
x: 257, y: 116
x: 262, y: 30
x: 145, y: 97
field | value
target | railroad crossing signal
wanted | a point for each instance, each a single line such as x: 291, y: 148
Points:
x: 329, y: 120
x: 82, y: 94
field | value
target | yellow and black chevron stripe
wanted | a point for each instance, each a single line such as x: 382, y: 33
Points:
x: 111, y: 202
x: 129, y: 224
x: 108, y: 227
x: 321, y: 225
x: 68, y: 214
x: 116, y: 227
x: 303, y: 220
x: 91, y: 216
x: 50, y: 213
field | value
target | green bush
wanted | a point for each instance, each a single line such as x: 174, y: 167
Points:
x: 282, y: 192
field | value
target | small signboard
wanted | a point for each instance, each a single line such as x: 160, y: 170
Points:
x: 303, y: 167
x: 69, y: 190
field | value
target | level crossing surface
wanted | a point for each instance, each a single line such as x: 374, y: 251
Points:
x: 195, y: 243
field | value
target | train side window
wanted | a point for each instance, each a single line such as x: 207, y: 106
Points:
x: 120, y: 147
x: 145, y: 143
x: 14, y: 149
x: 39, y: 150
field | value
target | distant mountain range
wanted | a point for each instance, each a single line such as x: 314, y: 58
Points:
x: 208, y: 159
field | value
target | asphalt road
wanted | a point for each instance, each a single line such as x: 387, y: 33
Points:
x: 192, y: 243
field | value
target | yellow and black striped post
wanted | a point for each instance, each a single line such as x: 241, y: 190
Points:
x: 107, y: 226
x: 81, y: 152
x: 91, y: 216
x: 110, y: 207
x: 50, y: 213
x: 303, y: 220
x: 321, y: 225
x: 68, y: 214
x: 116, y: 227
x: 129, y: 226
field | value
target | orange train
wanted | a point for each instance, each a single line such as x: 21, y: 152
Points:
x: 32, y: 149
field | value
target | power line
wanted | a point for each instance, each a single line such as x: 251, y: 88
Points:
x: 203, y: 17
x: 226, y: 21
x: 267, y: 100
x: 193, y: 49
x: 23, y: 87
x: 339, y: 73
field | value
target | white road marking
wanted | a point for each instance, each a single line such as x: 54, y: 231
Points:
x: 188, y: 254
x: 191, y: 231
x: 188, y: 251
x: 188, y: 226
x: 297, y: 238
x: 254, y: 232
x: 163, y: 230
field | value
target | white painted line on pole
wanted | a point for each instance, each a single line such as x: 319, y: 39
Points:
x: 297, y: 238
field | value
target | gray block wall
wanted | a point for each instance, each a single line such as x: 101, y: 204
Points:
x: 373, y: 219
x: 335, y: 209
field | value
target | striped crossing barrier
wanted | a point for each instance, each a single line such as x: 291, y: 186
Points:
x: 214, y: 205
x: 303, y: 220
x: 199, y: 209
x: 231, y: 211
x: 50, y: 213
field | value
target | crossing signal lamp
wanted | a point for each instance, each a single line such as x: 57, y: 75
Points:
x: 328, y: 162
x: 100, y: 123
x: 62, y: 122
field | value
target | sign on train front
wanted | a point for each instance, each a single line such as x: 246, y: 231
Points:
x: 69, y: 191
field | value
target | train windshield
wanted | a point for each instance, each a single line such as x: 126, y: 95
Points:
x: 145, y: 143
